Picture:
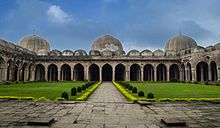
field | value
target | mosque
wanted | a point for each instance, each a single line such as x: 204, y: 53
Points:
x: 181, y: 60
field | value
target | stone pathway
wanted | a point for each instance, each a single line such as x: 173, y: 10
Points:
x: 107, y: 92
x: 107, y: 108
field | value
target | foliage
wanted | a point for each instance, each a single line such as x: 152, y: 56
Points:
x: 134, y: 90
x: 79, y: 89
x: 83, y: 87
x: 64, y: 95
x: 73, y: 91
x: 130, y: 87
x: 88, y: 93
x: 150, y: 95
x: 141, y: 93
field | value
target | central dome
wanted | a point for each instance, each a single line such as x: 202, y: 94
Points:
x: 35, y: 43
x: 107, y: 43
x: 180, y: 42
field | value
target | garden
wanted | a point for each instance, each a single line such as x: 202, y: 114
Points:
x: 48, y: 90
x: 168, y: 91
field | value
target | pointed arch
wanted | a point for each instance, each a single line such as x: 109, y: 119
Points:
x: 94, y: 72
x: 174, y: 72
x: 120, y: 72
x: 2, y: 70
x: 188, y: 72
x: 52, y: 72
x: 10, y: 70
x: 24, y: 76
x: 135, y: 72
x: 161, y: 72
x: 39, y: 72
x: 65, y: 72
x: 79, y: 72
x: 213, y: 70
x: 107, y: 72
x: 202, y: 71
x: 148, y: 72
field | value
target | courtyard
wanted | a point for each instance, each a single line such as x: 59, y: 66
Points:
x: 107, y: 108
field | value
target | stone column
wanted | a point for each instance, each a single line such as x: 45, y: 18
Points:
x: 113, y: 74
x: 155, y: 74
x: 32, y: 78
x: 193, y: 74
x: 86, y: 74
x: 71, y: 74
x: 218, y: 73
x: 58, y: 76
x: 127, y: 75
x: 168, y: 76
x: 18, y: 73
x: 46, y: 74
x: 209, y: 73
x: 100, y: 74
x: 5, y: 74
x: 202, y: 74
x: 186, y: 74
x: 142, y: 73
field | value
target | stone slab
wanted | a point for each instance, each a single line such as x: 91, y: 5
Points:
x: 214, y: 101
x: 41, y: 121
x: 143, y: 103
x: 68, y: 102
x: 173, y: 122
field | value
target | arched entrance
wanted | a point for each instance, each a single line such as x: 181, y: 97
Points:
x: 94, y: 72
x: 161, y: 72
x: 120, y: 72
x: 65, y: 72
x: 213, y: 69
x: 2, y: 69
x: 40, y: 73
x: 135, y: 72
x: 10, y: 71
x: 174, y: 72
x: 24, y: 75
x: 202, y: 71
x: 78, y: 72
x: 188, y: 72
x: 148, y: 72
x: 107, y: 72
x: 52, y: 72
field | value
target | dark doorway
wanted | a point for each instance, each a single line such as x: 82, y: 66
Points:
x: 148, y: 72
x: 65, y: 72
x: 52, y: 72
x: 174, y: 72
x: 107, y: 72
x: 79, y: 72
x: 94, y: 72
x: 202, y: 71
x: 135, y: 72
x: 161, y: 72
x: 40, y: 73
x: 120, y: 72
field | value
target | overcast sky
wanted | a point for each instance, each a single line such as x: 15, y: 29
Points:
x: 138, y: 24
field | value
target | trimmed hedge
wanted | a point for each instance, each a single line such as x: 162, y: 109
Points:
x: 73, y: 91
x: 88, y: 93
x: 150, y: 95
x: 79, y: 89
x: 134, y: 90
x: 141, y: 94
x: 64, y: 95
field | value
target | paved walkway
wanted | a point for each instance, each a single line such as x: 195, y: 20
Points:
x: 107, y: 108
x: 107, y: 92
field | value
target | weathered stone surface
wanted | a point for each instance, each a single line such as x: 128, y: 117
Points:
x: 41, y: 121
x: 107, y: 108
x: 144, y: 103
x: 173, y: 122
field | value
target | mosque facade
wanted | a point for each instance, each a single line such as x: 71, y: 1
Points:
x: 181, y: 60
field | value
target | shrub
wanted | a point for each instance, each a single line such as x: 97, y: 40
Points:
x: 206, y: 83
x: 73, y: 91
x: 150, y: 95
x: 134, y: 90
x: 217, y: 84
x: 79, y: 89
x: 141, y: 93
x: 130, y: 87
x: 127, y: 85
x: 64, y: 95
x: 83, y: 87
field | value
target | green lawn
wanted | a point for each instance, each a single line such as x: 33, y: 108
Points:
x: 177, y: 90
x: 50, y: 90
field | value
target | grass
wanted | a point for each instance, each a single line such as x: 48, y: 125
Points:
x: 50, y: 90
x: 177, y: 90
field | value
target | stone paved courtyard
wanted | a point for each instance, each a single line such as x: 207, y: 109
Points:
x: 107, y: 108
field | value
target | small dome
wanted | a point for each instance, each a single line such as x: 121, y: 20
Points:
x: 180, y: 42
x: 55, y: 52
x: 107, y: 42
x: 80, y: 52
x: 133, y: 52
x: 34, y: 43
x: 217, y: 46
x: 67, y: 53
x: 146, y: 52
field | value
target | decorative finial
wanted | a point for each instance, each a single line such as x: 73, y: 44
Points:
x: 34, y: 31
x: 180, y: 32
